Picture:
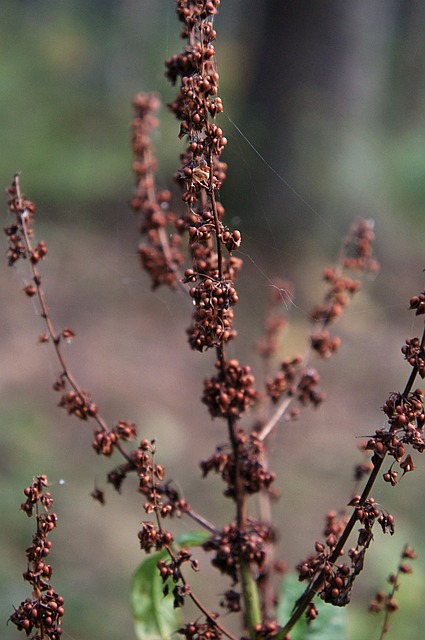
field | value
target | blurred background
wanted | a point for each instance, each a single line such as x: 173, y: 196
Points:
x: 324, y: 111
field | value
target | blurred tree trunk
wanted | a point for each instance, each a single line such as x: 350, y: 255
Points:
x: 406, y: 87
x: 317, y: 74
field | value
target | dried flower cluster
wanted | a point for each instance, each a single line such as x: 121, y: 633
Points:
x: 231, y: 391
x: 333, y: 581
x: 243, y: 549
x: 296, y: 380
x: 201, y: 175
x: 40, y: 617
x: 414, y: 353
x: 160, y: 254
x: 406, y: 419
x: 233, y: 545
x: 250, y: 451
x: 357, y: 256
x: 21, y: 229
x: 201, y: 631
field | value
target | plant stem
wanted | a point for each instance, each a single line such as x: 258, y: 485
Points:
x: 251, y: 599
x: 316, y: 585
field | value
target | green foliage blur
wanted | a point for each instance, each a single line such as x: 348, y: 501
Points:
x: 69, y: 71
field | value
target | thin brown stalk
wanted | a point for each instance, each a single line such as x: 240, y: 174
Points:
x: 317, y: 583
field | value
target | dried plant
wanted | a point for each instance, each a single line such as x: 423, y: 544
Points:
x: 387, y: 602
x: 195, y: 250
x: 40, y: 617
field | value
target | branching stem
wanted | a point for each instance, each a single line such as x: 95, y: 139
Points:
x: 317, y: 583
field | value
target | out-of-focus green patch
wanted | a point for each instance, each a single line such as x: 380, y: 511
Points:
x: 329, y: 625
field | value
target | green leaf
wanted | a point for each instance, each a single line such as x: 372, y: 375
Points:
x: 329, y: 625
x: 192, y: 538
x: 153, y: 613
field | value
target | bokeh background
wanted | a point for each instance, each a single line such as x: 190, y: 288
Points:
x: 324, y: 112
